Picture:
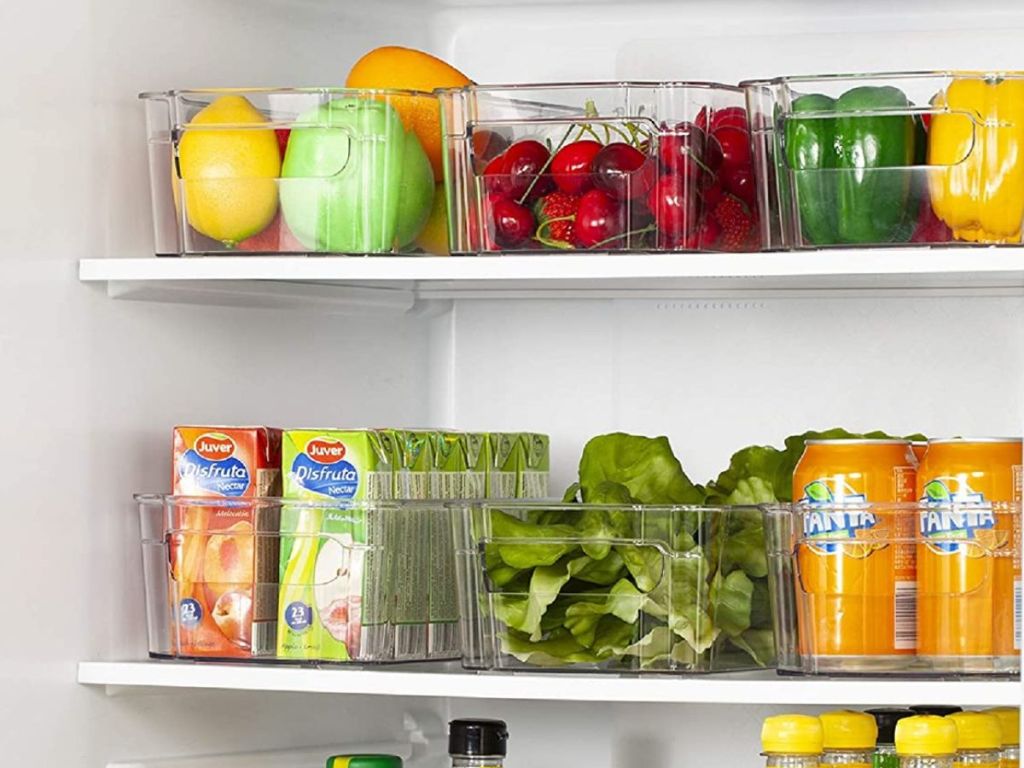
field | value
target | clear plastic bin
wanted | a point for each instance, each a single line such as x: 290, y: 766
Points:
x: 910, y: 589
x: 584, y: 587
x: 306, y: 170
x: 599, y: 167
x: 222, y: 582
x: 889, y: 159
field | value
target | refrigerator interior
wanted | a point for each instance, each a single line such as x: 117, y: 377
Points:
x: 93, y: 386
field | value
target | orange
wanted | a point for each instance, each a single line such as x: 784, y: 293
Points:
x: 434, y: 237
x: 407, y: 69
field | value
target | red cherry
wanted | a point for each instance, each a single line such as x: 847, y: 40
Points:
x: 701, y: 121
x: 740, y: 182
x: 571, y: 166
x: 487, y: 145
x: 599, y: 219
x: 496, y: 181
x: 682, y: 150
x: 674, y: 204
x: 735, y: 117
x: 712, y: 196
x: 513, y: 223
x: 713, y: 155
x: 522, y: 163
x: 623, y: 171
x: 735, y: 144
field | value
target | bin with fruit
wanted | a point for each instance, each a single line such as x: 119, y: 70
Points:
x: 303, y: 170
x: 599, y: 167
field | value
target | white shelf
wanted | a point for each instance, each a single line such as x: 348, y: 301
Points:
x: 761, y: 688
x: 397, y: 283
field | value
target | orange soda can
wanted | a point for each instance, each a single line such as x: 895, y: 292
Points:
x: 855, y: 561
x: 968, y: 551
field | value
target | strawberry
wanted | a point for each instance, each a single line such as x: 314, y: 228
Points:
x: 556, y: 214
x: 736, y: 222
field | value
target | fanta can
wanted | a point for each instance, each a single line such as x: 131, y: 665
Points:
x: 855, y: 554
x: 968, y: 551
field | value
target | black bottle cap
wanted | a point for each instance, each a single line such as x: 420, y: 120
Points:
x: 886, y: 719
x: 477, y: 738
x: 936, y: 709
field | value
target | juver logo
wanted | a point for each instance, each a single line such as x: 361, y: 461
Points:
x: 212, y: 446
x: 325, y: 450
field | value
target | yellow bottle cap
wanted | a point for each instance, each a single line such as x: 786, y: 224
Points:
x: 791, y: 735
x: 845, y: 729
x: 926, y: 735
x: 976, y: 730
x: 1009, y: 723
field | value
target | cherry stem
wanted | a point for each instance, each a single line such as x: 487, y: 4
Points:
x: 643, y: 231
x: 540, y: 238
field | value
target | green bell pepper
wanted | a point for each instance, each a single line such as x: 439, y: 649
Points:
x: 848, y: 161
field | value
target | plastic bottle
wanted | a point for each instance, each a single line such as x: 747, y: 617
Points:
x: 792, y: 741
x: 364, y: 761
x: 926, y: 741
x: 1009, y: 724
x: 477, y: 743
x: 885, y: 746
x: 848, y: 738
x: 979, y: 740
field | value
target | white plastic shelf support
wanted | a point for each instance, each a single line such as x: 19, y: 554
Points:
x: 752, y: 688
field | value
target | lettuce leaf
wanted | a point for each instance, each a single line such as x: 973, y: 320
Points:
x: 731, y: 598
x: 623, y: 601
x: 645, y: 466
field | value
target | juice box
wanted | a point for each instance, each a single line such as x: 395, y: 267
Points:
x: 335, y: 587
x: 533, y: 481
x: 505, y: 458
x: 856, y: 560
x: 476, y: 448
x: 414, y: 472
x: 223, y: 573
x: 448, y: 481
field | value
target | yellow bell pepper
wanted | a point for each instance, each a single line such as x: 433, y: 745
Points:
x: 977, y: 139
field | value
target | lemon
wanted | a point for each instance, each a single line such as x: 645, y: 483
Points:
x: 229, y: 174
x: 434, y: 237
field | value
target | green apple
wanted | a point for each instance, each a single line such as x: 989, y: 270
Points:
x: 416, y: 196
x: 344, y: 181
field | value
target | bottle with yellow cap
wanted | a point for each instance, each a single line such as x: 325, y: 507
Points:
x: 885, y: 746
x: 926, y: 741
x: 979, y: 740
x: 848, y: 738
x: 792, y: 741
x: 1009, y: 726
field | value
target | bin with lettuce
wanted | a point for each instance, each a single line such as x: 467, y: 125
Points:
x: 682, y: 585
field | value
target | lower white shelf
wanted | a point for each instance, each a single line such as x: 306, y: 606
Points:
x: 754, y: 688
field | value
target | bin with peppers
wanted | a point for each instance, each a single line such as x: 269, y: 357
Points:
x: 889, y: 159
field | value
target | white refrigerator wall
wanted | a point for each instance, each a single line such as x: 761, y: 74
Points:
x: 92, y: 386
